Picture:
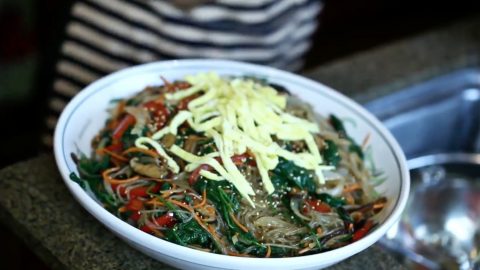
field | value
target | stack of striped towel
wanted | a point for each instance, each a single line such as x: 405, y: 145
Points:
x: 103, y: 36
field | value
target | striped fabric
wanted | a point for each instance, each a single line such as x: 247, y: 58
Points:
x: 107, y: 35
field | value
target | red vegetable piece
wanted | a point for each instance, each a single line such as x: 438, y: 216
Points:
x: 143, y: 191
x: 242, y: 159
x: 166, y: 220
x: 159, y: 112
x: 318, y: 205
x: 183, y: 104
x: 134, y: 205
x: 121, y: 190
x: 138, y: 192
x: 135, y: 216
x: 127, y: 121
x: 155, y: 188
x: 194, y: 175
x: 360, y: 233
x: 146, y: 229
x: 116, y: 147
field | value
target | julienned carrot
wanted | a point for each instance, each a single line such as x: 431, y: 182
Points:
x: 215, y: 236
x: 366, y: 140
x: 204, y: 199
x: 269, y: 252
x: 200, y: 222
x: 112, y: 181
x: 166, y: 82
x: 155, y: 202
x: 157, y: 232
x: 177, y: 203
x: 236, y: 221
x: 141, y: 150
x: 231, y: 253
x: 113, y: 154
x: 305, y: 249
x: 351, y: 187
x: 167, y: 193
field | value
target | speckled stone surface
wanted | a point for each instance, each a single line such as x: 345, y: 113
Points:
x: 36, y: 205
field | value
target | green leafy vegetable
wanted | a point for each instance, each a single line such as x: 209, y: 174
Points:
x: 206, y: 146
x: 330, y: 200
x: 226, y: 199
x: 90, y: 176
x: 355, y: 148
x: 347, y: 219
x: 128, y: 139
x: 188, y: 233
x: 330, y: 153
x: 287, y: 174
x: 342, y: 132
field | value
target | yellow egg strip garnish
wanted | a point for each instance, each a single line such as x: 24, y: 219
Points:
x: 181, y: 117
x: 239, y: 115
x: 140, y: 143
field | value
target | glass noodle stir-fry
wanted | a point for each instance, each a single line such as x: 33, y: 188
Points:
x: 232, y: 165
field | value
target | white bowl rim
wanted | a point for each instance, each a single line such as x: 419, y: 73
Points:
x: 157, y: 244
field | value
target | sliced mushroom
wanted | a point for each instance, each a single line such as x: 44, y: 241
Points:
x: 168, y: 140
x: 191, y: 143
x: 150, y: 169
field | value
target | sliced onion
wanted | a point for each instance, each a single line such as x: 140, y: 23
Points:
x: 332, y: 187
x: 295, y: 206
x: 141, y: 119
x: 332, y: 175
x: 327, y: 221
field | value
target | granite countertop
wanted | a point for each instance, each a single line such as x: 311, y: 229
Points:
x: 36, y: 205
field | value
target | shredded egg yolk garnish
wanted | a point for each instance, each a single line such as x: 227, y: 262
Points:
x: 238, y: 114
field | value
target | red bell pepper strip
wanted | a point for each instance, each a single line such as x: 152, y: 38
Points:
x: 127, y: 121
x: 134, y: 205
x: 318, y: 205
x: 138, y: 191
x: 183, y: 104
x: 243, y: 159
x: 116, y: 147
x: 360, y: 233
x: 143, y: 191
x: 192, y: 179
x: 166, y: 220
x: 159, y: 112
x: 146, y: 229
x: 135, y: 216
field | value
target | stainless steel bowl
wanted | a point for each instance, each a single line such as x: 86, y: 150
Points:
x: 440, y: 227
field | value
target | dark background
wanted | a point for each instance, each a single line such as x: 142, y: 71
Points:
x: 31, y: 32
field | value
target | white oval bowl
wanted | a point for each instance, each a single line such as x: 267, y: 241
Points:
x: 86, y: 113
